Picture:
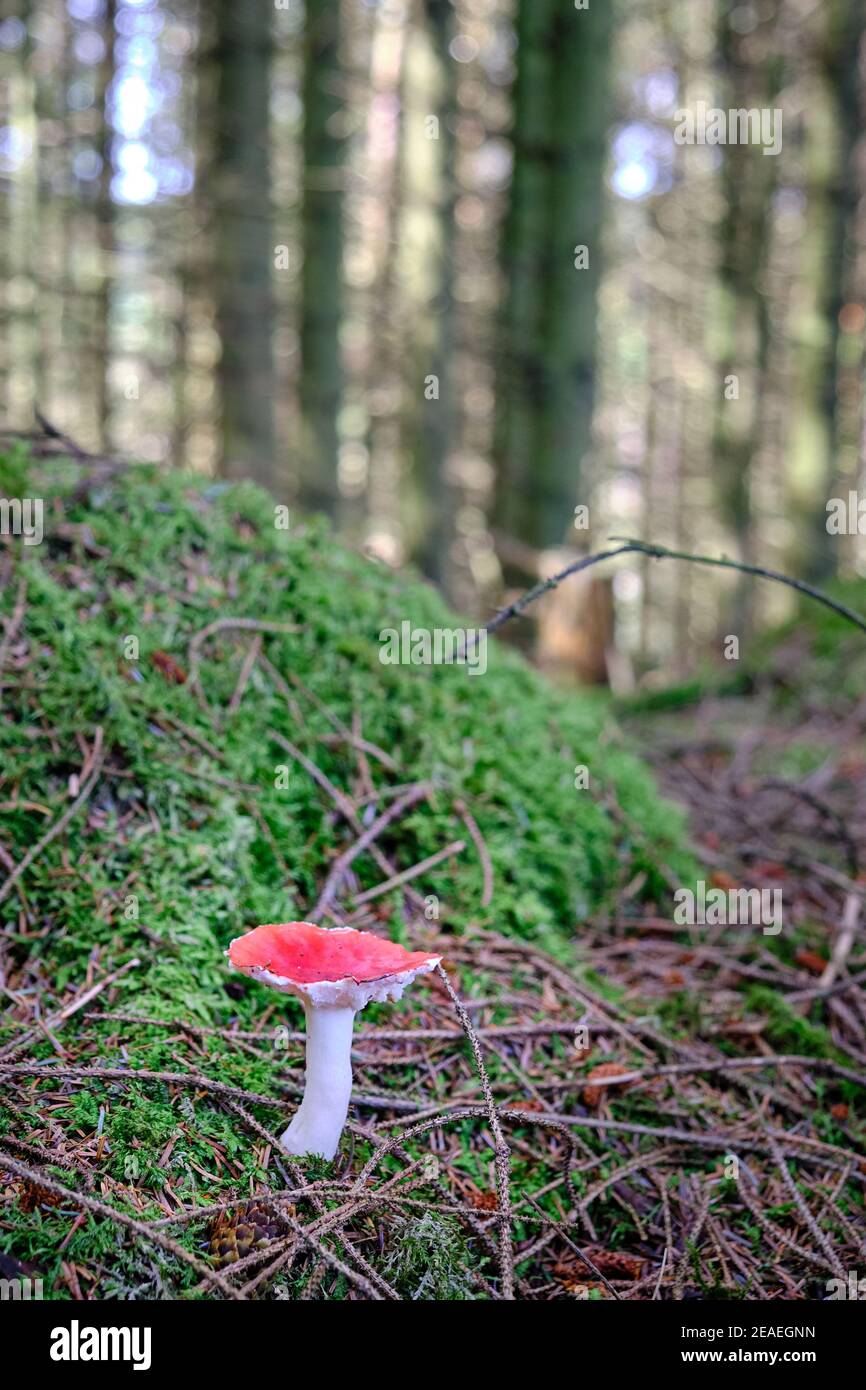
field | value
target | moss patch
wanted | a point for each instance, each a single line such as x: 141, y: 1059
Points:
x: 197, y: 845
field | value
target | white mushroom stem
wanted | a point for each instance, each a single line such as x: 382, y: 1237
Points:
x: 319, y: 1121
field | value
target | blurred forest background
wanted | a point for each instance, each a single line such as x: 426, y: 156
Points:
x: 332, y: 246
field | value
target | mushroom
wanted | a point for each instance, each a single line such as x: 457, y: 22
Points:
x: 335, y: 972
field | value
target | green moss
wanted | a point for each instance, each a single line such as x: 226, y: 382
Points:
x: 430, y: 1259
x: 180, y: 848
x: 786, y: 1029
x: 156, y: 558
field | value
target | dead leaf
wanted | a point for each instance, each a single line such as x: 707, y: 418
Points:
x: 169, y: 668
x: 768, y: 868
x: 614, y: 1264
x: 811, y: 961
x: 592, y: 1094
x: 484, y: 1201
x: 33, y: 1195
x: 720, y: 879
x: 549, y: 998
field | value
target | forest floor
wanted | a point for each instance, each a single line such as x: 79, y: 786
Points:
x: 632, y: 1109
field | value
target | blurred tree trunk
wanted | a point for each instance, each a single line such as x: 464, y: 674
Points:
x: 24, y: 357
x: 744, y: 328
x: 378, y: 512
x: 845, y: 282
x: 547, y: 356
x: 105, y: 228
x: 244, y: 247
x: 321, y: 384
x: 437, y: 437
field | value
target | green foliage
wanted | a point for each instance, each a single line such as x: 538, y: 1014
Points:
x: 14, y: 469
x: 684, y: 694
x: 430, y: 1259
x: 829, y: 651
x: 786, y: 1030
x: 139, y: 1130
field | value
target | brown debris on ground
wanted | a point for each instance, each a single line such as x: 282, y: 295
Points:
x: 657, y: 1168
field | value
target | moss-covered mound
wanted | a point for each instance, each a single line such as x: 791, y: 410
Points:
x: 201, y: 823
x: 194, y: 723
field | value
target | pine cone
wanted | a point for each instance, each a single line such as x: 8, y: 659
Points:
x: 236, y: 1232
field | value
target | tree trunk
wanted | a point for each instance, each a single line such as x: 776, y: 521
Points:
x: 548, y: 348
x: 749, y: 181
x: 842, y: 377
x: 321, y: 385
x: 437, y: 437
x: 244, y: 243
x: 105, y: 236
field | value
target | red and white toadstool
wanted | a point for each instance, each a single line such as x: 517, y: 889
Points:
x: 335, y: 972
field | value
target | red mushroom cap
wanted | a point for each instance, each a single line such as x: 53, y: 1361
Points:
x: 337, y: 966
